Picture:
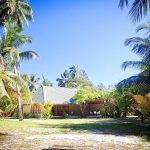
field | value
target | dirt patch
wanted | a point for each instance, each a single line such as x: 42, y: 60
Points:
x: 72, y: 141
x: 70, y: 134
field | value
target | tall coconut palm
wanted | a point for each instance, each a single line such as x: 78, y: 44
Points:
x: 139, y: 8
x: 18, y: 11
x: 12, y: 40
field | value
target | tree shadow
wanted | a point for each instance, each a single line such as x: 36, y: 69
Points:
x: 4, y: 137
x: 123, y: 127
x: 3, y: 134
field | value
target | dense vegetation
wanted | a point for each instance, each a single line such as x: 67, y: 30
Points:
x: 129, y: 96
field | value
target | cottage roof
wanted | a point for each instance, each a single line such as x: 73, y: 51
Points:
x: 54, y: 95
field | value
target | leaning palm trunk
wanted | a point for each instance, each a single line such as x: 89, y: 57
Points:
x: 20, y: 114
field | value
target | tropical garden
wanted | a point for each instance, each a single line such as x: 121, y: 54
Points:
x: 129, y: 97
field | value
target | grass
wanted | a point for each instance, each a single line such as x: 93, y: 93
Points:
x: 109, y: 126
x: 30, y: 127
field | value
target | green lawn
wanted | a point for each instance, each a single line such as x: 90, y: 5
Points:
x: 99, y: 128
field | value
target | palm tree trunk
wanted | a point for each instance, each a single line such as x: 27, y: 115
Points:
x: 20, y: 114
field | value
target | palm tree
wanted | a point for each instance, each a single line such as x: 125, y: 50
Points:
x: 74, y: 78
x: 12, y: 40
x: 74, y: 71
x: 139, y: 8
x: 141, y: 47
x: 17, y: 11
x: 32, y: 81
x: 46, y: 82
x: 65, y: 77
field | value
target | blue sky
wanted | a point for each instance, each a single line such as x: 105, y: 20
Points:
x: 89, y: 33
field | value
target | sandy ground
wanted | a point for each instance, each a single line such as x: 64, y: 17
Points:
x: 37, y: 138
x: 72, y: 141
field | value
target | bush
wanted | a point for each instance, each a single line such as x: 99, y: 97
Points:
x: 46, y: 111
x: 107, y: 109
x: 45, y: 114
x: 65, y: 115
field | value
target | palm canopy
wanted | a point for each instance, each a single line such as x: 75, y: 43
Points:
x: 141, y: 47
x: 10, y: 56
x: 13, y: 36
x: 46, y: 82
x: 18, y: 11
x: 65, y: 77
x: 139, y: 8
x: 31, y: 80
x: 76, y: 72
x: 11, y: 41
x: 74, y: 77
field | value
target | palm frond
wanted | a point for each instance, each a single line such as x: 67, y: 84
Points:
x: 122, y: 3
x: 139, y: 46
x: 146, y: 72
x: 144, y: 27
x: 139, y: 9
x: 27, y: 55
x: 136, y: 80
x: 24, y: 89
x: 133, y: 64
x: 21, y: 40
x: 26, y: 9
x: 23, y: 17
x: 3, y: 91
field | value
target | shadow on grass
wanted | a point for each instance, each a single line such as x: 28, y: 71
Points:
x: 114, y: 127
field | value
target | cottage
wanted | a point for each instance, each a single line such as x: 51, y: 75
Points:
x: 61, y: 99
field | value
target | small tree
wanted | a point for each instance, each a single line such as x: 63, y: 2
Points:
x: 82, y: 97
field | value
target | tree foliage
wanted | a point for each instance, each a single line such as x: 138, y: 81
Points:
x: 74, y: 77
x: 138, y: 9
x: 46, y: 82
x: 144, y: 104
x: 18, y: 12
x: 85, y: 95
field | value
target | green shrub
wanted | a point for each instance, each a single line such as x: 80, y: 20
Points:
x: 45, y: 114
x: 65, y: 115
x: 46, y: 111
